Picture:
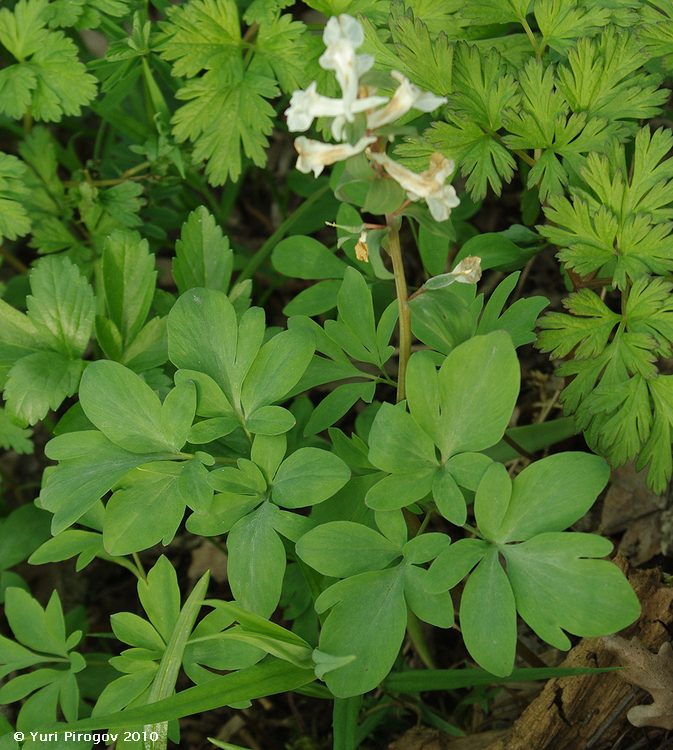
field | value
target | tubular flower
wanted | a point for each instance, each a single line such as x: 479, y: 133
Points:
x: 428, y: 185
x: 306, y: 105
x: 406, y: 97
x: 314, y: 156
x: 342, y: 36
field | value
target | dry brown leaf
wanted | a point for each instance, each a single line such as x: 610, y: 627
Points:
x: 651, y: 672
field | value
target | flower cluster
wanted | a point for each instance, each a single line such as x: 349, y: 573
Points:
x: 343, y: 36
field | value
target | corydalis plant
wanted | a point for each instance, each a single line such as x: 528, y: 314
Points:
x: 343, y: 36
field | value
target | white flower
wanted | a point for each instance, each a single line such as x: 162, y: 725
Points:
x: 428, y: 185
x: 314, y: 156
x: 406, y: 97
x: 343, y: 35
x: 468, y: 271
x: 306, y: 105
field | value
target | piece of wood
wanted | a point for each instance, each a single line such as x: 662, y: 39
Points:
x: 581, y: 713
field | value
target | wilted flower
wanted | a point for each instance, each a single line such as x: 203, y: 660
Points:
x: 406, y: 97
x: 314, y: 156
x: 361, y: 249
x: 428, y: 185
x: 468, y: 271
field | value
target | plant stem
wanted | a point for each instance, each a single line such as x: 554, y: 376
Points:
x: 139, y: 565
x: 13, y: 261
x: 345, y: 722
x: 531, y: 36
x: 265, y: 250
x: 395, y: 252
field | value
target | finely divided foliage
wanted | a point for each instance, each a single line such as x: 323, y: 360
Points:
x: 357, y: 488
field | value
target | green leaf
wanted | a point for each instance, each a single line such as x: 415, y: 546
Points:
x: 268, y: 678
x: 281, y: 51
x: 203, y: 257
x: 399, y: 490
x: 22, y: 531
x: 397, y: 444
x: 448, y: 498
x: 367, y: 620
x: 264, y: 11
x: 128, y: 278
x: 478, y: 386
x: 337, y: 403
x: 146, y: 508
x: 227, y: 111
x: 548, y: 495
x: 355, y: 329
x: 444, y: 318
x: 425, y: 547
x: 384, y: 196
x: 86, y: 545
x: 37, y: 628
x: 203, y: 336
x: 177, y: 413
x: 14, y: 220
x: 316, y: 299
x: 200, y: 35
x: 307, y: 477
x: 561, y: 23
x: 133, y: 630
x: 492, y: 499
x: 586, y: 331
x: 270, y: 420
x: 495, y: 11
x: 434, y: 250
x: 342, y: 548
x: 557, y: 590
x: 61, y: 305
x: 47, y: 78
x: 305, y: 258
x: 256, y: 586
x: 454, y: 563
x: 434, y: 608
x: 426, y: 57
x: 605, y: 78
x: 276, y: 369
x: 39, y: 383
x: 124, y: 408
x: 491, y: 641
x: 90, y: 466
x: 160, y: 597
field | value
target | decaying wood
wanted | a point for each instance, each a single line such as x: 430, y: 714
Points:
x: 651, y: 672
x: 581, y: 713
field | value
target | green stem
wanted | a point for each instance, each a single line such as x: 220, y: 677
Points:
x: 261, y: 255
x: 13, y: 261
x: 139, y: 566
x: 27, y: 122
x: 531, y: 36
x: 345, y: 722
x: 395, y: 252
